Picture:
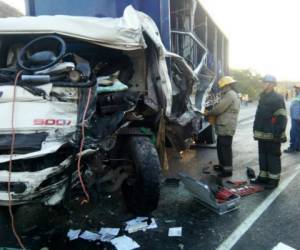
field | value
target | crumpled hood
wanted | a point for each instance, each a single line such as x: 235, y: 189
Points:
x: 123, y: 33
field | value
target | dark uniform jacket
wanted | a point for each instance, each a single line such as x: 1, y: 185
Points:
x: 271, y: 118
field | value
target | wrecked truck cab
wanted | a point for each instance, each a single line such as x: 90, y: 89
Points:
x: 82, y: 103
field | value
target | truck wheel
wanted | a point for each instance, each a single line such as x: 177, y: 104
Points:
x: 141, y: 189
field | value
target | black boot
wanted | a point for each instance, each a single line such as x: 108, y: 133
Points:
x: 272, y: 183
x: 260, y: 180
x: 226, y: 172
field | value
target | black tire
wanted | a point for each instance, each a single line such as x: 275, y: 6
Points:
x: 141, y: 190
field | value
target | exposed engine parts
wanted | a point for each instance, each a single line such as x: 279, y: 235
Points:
x: 61, y: 92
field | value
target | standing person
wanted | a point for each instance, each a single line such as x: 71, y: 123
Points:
x: 295, y: 121
x: 246, y: 99
x: 269, y: 130
x: 226, y: 113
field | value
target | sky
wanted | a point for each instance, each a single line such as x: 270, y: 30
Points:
x: 263, y: 35
x: 18, y: 4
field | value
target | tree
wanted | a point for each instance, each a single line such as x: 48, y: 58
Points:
x: 248, y: 82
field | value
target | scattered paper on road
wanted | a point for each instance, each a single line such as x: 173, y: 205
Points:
x: 124, y: 243
x: 140, y: 223
x: 153, y: 224
x: 175, y: 232
x: 73, y: 234
x: 282, y: 246
x: 108, y: 230
x: 107, y: 234
x: 90, y: 236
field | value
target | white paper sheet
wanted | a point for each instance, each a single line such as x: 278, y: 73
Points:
x: 140, y: 223
x: 107, y: 234
x: 175, y: 232
x: 124, y: 243
x: 73, y: 234
x: 90, y: 236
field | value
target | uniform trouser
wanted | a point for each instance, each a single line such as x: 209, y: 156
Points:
x: 295, y: 135
x: 269, y: 159
x: 224, y: 149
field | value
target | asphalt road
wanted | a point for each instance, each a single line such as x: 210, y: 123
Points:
x: 262, y: 221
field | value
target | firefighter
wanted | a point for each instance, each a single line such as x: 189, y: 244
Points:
x: 226, y: 113
x: 269, y: 130
x: 295, y: 121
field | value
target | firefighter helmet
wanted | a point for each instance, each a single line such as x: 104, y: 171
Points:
x: 269, y: 79
x: 225, y: 81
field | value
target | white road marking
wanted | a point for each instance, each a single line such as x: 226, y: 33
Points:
x: 250, y: 220
x: 282, y: 246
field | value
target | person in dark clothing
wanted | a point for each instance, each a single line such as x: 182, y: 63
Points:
x: 269, y: 130
x: 295, y: 121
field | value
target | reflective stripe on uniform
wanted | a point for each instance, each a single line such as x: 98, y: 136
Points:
x: 280, y: 112
x: 274, y: 176
x: 266, y: 136
x: 227, y: 168
x: 262, y: 135
x: 263, y: 173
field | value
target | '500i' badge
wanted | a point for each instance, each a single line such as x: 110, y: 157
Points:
x: 52, y: 122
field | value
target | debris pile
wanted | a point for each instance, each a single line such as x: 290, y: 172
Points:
x: 113, y: 235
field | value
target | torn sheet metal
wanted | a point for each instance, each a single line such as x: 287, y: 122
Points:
x: 32, y: 181
x: 57, y: 197
x: 187, y: 70
x: 47, y: 148
x: 186, y: 117
x: 150, y: 28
